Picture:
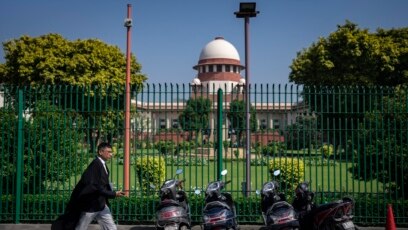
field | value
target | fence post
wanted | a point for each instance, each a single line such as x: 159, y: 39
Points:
x: 19, y: 169
x: 219, y: 134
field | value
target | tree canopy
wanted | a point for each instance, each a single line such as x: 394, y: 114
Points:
x: 237, y: 117
x: 302, y: 134
x: 52, y: 59
x: 196, y: 115
x: 354, y: 56
x: 89, y: 74
x: 336, y: 68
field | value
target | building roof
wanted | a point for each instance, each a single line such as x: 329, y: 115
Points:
x: 219, y: 48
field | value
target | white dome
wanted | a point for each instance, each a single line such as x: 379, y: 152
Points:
x: 219, y: 48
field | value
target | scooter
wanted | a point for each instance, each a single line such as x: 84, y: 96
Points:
x: 276, y: 212
x: 335, y: 215
x: 173, y: 212
x: 219, y: 211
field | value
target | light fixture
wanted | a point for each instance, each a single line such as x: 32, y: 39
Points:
x: 247, y: 9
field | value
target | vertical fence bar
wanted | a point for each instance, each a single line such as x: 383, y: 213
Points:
x: 19, y: 156
x: 219, y: 134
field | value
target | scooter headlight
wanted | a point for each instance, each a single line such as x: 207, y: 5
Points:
x: 212, y: 187
x: 268, y: 187
x: 169, y: 183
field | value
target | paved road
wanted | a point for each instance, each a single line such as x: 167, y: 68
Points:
x: 139, y: 227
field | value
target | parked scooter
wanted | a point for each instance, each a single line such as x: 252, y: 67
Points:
x: 335, y: 215
x: 173, y: 212
x: 276, y: 212
x: 219, y: 211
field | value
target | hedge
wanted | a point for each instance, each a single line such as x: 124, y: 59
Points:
x: 137, y: 209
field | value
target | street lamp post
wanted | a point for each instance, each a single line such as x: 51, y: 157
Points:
x: 126, y: 157
x: 247, y: 10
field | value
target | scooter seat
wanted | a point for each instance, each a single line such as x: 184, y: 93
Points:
x: 214, y: 204
x: 279, y: 205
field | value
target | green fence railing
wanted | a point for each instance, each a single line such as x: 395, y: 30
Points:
x: 347, y: 141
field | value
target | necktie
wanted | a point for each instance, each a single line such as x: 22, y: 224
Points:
x: 107, y: 170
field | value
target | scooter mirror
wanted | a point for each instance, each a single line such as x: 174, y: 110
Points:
x: 179, y: 171
x: 197, y: 192
x: 276, y: 172
x: 257, y: 192
x: 152, y: 186
x: 224, y: 172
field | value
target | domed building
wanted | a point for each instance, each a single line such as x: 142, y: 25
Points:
x: 219, y: 67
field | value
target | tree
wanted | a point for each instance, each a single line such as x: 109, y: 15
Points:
x: 50, y: 155
x: 336, y: 70
x: 237, y: 117
x: 196, y: 115
x: 353, y: 56
x: 303, y: 133
x: 51, y: 59
x: 95, y: 70
x: 382, y: 143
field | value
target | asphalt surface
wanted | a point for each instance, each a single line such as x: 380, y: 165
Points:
x: 139, y: 227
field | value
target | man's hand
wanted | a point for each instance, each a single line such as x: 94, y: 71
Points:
x: 120, y: 193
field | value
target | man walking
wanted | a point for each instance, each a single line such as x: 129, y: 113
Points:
x: 89, y: 200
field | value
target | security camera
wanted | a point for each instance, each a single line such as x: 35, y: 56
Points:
x: 128, y: 22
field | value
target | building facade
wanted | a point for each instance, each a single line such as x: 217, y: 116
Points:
x: 218, y: 67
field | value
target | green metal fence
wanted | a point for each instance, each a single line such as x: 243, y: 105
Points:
x: 347, y: 141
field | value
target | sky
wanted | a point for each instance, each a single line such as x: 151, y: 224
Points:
x: 168, y: 36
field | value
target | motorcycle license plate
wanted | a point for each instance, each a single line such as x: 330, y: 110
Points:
x: 348, y: 225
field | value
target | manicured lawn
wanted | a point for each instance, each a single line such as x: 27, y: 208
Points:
x: 323, y: 178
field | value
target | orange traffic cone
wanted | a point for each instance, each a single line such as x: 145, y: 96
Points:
x: 390, y: 223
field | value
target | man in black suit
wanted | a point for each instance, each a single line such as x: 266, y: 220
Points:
x: 89, y: 200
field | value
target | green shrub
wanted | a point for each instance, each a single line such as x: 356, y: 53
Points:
x: 147, y: 144
x: 139, y: 209
x: 115, y: 150
x: 327, y: 150
x: 273, y: 148
x: 292, y: 171
x: 150, y: 171
x: 165, y: 147
x: 185, y: 146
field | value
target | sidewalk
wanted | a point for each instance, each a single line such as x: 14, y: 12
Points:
x: 139, y: 227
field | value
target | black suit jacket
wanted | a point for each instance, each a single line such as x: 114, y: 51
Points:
x: 91, y: 194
